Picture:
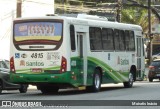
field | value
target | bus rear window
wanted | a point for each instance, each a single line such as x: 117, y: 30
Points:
x: 37, y: 35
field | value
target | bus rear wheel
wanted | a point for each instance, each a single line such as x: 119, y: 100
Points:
x: 129, y: 83
x: 96, y: 82
x: 150, y: 79
x: 23, y: 88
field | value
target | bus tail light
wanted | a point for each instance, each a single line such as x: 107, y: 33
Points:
x: 12, y: 68
x: 151, y: 67
x: 63, y: 65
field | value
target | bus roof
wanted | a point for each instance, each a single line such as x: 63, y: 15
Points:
x: 92, y: 20
x: 101, y: 21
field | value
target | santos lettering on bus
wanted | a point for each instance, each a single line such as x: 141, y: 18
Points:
x: 124, y: 62
x: 35, y: 63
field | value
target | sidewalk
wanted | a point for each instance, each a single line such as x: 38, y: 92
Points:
x: 31, y: 87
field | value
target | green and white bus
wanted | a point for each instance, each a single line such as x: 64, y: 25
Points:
x: 83, y: 52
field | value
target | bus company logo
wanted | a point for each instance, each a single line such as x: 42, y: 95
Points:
x: 24, y: 55
x: 35, y: 63
x: 22, y: 63
x: 122, y: 61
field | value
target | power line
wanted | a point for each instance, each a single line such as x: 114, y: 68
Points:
x: 37, y: 2
x: 7, y: 33
x: 10, y: 14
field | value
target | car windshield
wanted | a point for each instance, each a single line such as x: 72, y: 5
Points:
x: 155, y: 63
x: 7, y: 63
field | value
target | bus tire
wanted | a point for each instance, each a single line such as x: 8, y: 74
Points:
x: 96, y: 81
x: 134, y: 76
x: 129, y: 83
x: 23, y: 88
x: 150, y: 79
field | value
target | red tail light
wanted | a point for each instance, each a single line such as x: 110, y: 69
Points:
x: 63, y: 65
x: 151, y: 67
x: 12, y: 68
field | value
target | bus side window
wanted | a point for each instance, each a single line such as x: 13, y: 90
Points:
x: 132, y: 41
x: 91, y: 37
x: 72, y: 38
x: 111, y: 38
x: 107, y: 39
x: 95, y: 38
x: 116, y: 39
x: 98, y: 39
x: 122, y: 40
x: 127, y: 40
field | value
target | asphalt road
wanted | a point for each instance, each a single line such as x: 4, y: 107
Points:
x: 111, y: 96
x: 108, y: 95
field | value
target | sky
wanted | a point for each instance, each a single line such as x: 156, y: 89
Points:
x: 30, y: 8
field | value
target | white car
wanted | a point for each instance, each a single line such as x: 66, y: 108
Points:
x: 156, y: 56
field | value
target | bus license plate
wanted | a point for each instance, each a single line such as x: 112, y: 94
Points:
x: 36, y: 70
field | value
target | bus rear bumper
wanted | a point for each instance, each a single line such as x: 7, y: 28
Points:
x: 38, y: 79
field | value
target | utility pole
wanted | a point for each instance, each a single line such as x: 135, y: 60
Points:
x: 149, y: 31
x: 19, y: 8
x: 119, y: 5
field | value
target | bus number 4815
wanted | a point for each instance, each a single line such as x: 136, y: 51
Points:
x: 37, y: 55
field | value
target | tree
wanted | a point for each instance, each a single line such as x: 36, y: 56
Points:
x: 136, y: 16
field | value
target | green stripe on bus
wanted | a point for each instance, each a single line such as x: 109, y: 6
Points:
x: 114, y: 74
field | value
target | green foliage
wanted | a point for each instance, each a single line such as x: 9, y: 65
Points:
x: 94, y: 1
x: 137, y: 16
x: 133, y: 15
